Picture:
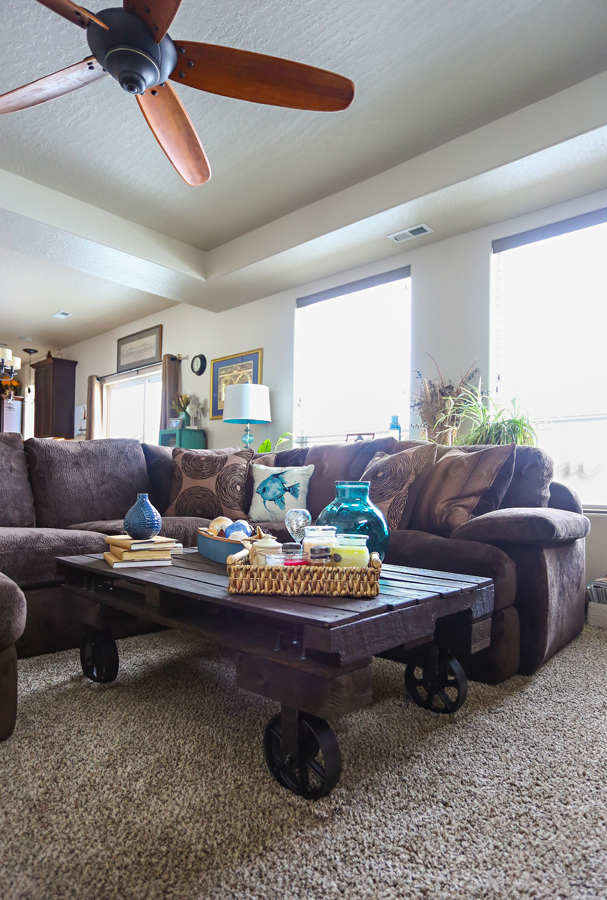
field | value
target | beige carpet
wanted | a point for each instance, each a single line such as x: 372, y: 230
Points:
x: 156, y: 787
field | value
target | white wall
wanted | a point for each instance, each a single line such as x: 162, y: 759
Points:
x: 450, y: 321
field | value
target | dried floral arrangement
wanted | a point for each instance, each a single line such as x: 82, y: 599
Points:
x: 435, y: 404
x: 180, y: 403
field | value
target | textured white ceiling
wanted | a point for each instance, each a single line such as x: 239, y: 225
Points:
x: 293, y: 195
x: 426, y: 71
x: 40, y: 288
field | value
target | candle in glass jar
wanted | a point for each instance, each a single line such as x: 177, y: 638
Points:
x: 350, y: 550
x: 318, y: 534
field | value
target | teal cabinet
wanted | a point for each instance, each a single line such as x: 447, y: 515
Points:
x: 187, y: 438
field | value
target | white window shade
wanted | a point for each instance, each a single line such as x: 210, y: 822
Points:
x: 352, y: 360
x: 132, y: 406
x: 549, y: 324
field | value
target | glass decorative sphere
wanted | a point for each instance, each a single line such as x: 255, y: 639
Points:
x: 296, y: 521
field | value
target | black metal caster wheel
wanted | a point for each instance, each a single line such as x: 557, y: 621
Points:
x: 302, y: 754
x: 99, y: 655
x: 437, y: 682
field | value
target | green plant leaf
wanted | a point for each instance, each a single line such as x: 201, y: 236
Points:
x: 265, y: 446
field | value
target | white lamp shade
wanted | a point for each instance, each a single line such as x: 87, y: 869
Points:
x: 6, y: 354
x: 16, y: 363
x: 247, y: 404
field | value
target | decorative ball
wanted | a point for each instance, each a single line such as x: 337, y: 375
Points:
x: 296, y: 521
x: 237, y: 536
x: 219, y: 524
x: 239, y: 526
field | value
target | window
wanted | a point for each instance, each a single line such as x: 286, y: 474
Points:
x: 132, y: 406
x: 549, y: 326
x: 352, y: 359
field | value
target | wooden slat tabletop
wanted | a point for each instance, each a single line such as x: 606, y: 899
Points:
x: 192, y: 576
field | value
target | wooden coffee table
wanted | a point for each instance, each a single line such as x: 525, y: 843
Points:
x: 312, y: 654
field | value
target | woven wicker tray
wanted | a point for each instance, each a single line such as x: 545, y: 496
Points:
x: 303, y: 581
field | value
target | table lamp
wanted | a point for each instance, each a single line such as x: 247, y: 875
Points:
x: 247, y: 404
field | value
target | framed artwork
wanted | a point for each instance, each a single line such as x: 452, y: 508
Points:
x: 174, y: 423
x: 239, y: 369
x: 144, y: 348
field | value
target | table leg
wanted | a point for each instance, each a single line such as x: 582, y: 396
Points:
x: 99, y: 655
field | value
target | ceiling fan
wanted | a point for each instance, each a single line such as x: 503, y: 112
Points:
x: 132, y: 45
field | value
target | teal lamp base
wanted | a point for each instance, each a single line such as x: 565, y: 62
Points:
x: 247, y: 438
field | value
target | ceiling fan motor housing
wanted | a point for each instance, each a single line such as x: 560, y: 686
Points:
x: 128, y: 51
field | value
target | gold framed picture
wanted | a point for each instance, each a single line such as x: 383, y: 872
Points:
x: 238, y: 369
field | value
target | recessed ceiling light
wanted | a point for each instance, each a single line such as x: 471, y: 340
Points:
x: 62, y: 314
x: 3, y: 345
x: 25, y: 337
x: 413, y: 232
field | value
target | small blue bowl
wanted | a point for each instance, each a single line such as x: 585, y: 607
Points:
x: 217, y: 549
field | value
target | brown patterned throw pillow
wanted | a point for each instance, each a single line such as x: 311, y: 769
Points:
x: 463, y: 484
x: 209, y: 483
x: 392, y: 476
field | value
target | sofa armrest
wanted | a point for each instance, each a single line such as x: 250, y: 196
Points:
x: 563, y: 497
x: 13, y: 608
x: 543, y: 527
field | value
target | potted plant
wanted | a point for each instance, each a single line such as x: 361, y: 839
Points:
x: 489, y: 422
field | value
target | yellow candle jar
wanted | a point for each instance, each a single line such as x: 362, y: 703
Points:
x: 350, y: 550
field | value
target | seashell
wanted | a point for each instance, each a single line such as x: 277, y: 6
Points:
x: 221, y: 522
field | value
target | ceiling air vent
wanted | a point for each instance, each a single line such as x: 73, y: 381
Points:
x: 62, y: 314
x: 408, y: 233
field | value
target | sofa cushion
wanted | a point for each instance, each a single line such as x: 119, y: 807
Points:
x: 277, y: 490
x: 430, y: 551
x: 460, y: 484
x: 339, y: 462
x: 182, y: 528
x: 27, y: 555
x: 261, y: 459
x: 16, y: 498
x: 76, y: 481
x: 531, y: 478
x: 159, y: 461
x: 209, y: 483
x: 390, y: 478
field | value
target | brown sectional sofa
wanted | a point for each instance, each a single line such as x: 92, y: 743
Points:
x: 61, y: 498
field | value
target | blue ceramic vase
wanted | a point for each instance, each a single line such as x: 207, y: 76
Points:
x: 353, y: 513
x: 143, y: 520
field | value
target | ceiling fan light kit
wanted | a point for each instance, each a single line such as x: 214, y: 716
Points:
x: 132, y: 45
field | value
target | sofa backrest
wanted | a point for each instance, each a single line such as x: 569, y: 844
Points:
x: 16, y: 498
x: 83, y: 481
x: 533, y: 472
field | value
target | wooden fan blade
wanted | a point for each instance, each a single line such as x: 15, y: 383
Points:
x: 56, y: 85
x: 172, y: 128
x: 259, y: 78
x: 73, y: 13
x: 157, y: 14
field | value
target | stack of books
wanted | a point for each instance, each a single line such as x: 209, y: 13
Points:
x: 597, y: 605
x: 126, y: 552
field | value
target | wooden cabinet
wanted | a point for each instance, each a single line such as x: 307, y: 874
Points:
x: 55, y: 397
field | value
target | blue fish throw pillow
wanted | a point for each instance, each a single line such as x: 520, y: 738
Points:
x: 277, y: 490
